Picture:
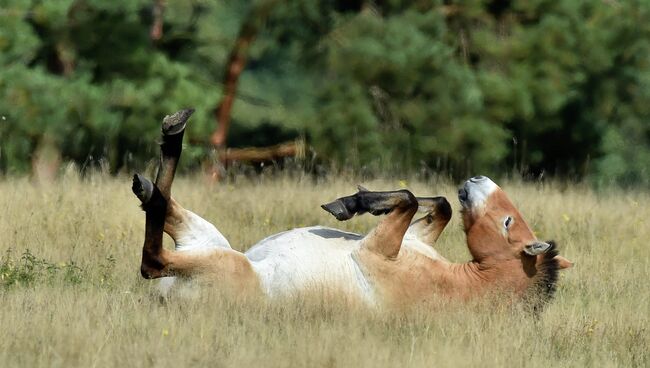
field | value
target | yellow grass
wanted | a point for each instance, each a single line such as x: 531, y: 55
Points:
x: 76, y: 299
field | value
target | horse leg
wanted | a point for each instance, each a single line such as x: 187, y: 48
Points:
x: 155, y: 206
x: 173, y: 129
x: 386, y: 238
x: 155, y: 197
x: 186, y: 228
x: 189, y: 230
x: 224, y: 266
x: 429, y: 227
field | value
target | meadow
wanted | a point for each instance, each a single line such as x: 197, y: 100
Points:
x: 71, y: 294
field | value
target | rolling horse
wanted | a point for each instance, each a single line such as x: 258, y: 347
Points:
x: 395, y: 264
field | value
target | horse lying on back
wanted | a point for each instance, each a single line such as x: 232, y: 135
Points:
x: 395, y: 264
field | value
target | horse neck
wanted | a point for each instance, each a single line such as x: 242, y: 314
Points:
x: 487, y: 276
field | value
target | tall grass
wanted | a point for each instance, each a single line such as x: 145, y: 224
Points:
x: 71, y: 294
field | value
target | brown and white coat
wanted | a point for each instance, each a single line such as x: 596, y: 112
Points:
x: 394, y: 265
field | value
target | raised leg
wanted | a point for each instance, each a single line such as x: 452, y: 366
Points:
x: 429, y: 227
x: 173, y: 129
x: 155, y: 198
x: 365, y: 201
x: 189, y: 230
x: 155, y: 207
x: 229, y: 268
x: 386, y: 238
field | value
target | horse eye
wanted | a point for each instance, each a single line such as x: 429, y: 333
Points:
x: 507, y: 222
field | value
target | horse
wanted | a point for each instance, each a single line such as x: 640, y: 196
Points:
x: 395, y: 264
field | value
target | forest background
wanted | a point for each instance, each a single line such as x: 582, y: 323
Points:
x: 537, y: 88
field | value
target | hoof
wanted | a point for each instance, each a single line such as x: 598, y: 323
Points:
x: 375, y: 203
x: 339, y: 210
x: 142, y: 188
x: 175, y: 123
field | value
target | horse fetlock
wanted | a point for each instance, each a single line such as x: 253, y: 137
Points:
x: 152, y: 266
x: 149, y: 273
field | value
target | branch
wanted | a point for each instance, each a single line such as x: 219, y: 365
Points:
x: 264, y: 154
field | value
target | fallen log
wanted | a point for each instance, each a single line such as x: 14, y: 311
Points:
x: 263, y: 154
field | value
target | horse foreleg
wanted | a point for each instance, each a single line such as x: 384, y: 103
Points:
x: 386, y: 237
x: 429, y: 227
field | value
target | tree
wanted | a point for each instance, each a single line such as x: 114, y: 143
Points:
x: 534, y: 88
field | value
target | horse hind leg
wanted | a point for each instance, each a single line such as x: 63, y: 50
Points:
x: 155, y: 206
x: 229, y: 269
x: 188, y: 230
x: 155, y: 196
x: 173, y: 129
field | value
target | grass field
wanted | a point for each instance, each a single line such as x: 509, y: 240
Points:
x: 71, y: 294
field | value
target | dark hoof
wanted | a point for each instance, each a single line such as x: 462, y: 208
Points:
x: 142, y: 188
x: 175, y: 123
x: 338, y: 210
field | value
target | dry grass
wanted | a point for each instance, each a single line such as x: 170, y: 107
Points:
x: 76, y: 299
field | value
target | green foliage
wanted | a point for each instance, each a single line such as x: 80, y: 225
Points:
x: 557, y: 87
x: 394, y: 113
x: 30, y: 270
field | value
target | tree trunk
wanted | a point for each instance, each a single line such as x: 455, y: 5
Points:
x: 46, y: 160
x: 158, y: 11
x: 235, y: 66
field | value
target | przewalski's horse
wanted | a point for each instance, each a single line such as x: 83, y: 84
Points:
x: 394, y: 265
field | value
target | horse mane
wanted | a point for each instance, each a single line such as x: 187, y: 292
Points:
x: 544, y: 283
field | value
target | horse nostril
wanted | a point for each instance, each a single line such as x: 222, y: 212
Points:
x: 462, y: 194
x: 477, y: 178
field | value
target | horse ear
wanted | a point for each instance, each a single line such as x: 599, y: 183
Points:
x: 563, y: 262
x: 361, y: 188
x: 537, y: 248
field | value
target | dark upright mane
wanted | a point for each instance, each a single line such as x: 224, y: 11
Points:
x: 544, y: 282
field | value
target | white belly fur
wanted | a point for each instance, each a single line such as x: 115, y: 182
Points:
x: 311, y: 259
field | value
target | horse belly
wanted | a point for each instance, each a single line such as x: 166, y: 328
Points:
x: 310, y: 260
